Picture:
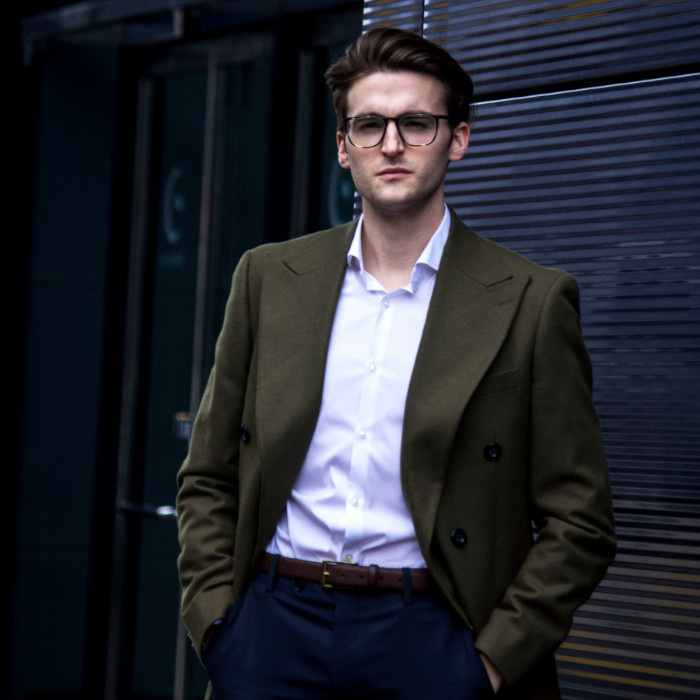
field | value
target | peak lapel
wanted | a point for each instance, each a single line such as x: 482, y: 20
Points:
x: 299, y: 296
x: 473, y: 305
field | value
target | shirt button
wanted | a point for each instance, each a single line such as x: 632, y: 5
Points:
x: 362, y: 434
x: 348, y: 558
x: 386, y: 304
x: 372, y: 367
x: 354, y: 500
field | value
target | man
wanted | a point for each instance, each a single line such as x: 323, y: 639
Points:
x: 406, y: 398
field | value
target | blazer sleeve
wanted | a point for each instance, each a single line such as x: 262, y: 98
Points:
x: 207, y: 502
x: 569, y: 496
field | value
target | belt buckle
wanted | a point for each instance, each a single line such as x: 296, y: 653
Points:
x: 325, y: 573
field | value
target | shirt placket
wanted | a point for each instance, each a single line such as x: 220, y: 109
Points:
x: 365, y: 429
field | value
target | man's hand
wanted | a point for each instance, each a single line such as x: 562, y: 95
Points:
x: 494, y: 674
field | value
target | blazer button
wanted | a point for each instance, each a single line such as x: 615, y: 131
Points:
x: 459, y: 538
x: 493, y: 452
x: 245, y: 434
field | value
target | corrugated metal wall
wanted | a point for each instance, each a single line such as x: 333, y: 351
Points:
x: 585, y: 155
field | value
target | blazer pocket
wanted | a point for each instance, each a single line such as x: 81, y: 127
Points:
x: 500, y: 381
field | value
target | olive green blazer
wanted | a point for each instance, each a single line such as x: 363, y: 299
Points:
x: 500, y: 433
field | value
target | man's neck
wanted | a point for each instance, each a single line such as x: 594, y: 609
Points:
x: 392, y: 242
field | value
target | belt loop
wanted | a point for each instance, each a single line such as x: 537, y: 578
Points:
x: 272, y: 576
x: 372, y: 576
x: 407, y: 592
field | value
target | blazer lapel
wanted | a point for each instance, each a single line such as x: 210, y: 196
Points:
x: 299, y: 297
x: 474, y: 302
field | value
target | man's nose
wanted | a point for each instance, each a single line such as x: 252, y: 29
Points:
x: 392, y: 143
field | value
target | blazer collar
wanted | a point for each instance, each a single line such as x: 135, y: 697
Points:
x: 299, y: 295
x: 321, y: 250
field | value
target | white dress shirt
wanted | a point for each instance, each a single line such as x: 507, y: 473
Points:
x: 347, y: 503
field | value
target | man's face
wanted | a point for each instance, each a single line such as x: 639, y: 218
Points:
x: 394, y: 177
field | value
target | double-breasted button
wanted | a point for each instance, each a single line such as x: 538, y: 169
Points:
x: 493, y: 452
x: 458, y: 538
x: 245, y: 434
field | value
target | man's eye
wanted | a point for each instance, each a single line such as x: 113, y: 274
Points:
x: 416, y: 123
x: 368, y: 125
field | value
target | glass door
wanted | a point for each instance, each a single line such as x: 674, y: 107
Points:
x: 200, y: 200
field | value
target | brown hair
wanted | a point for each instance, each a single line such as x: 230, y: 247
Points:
x: 387, y: 49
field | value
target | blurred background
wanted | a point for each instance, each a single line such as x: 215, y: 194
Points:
x: 153, y: 141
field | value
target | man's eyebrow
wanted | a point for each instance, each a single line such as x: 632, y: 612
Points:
x: 407, y: 113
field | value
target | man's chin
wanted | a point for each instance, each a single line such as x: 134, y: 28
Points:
x: 404, y: 205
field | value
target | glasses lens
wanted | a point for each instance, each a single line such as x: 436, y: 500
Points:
x: 418, y: 129
x: 415, y: 129
x: 366, y: 131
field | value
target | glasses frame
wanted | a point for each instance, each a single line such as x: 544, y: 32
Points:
x: 386, y: 120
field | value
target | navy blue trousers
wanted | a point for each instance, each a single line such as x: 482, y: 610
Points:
x: 288, y: 639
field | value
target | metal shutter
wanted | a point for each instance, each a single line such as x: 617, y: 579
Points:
x: 604, y: 183
x: 517, y: 46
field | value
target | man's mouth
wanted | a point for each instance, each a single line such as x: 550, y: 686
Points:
x: 393, y: 173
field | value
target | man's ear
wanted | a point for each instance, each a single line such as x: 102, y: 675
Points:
x: 460, y: 141
x: 342, y: 153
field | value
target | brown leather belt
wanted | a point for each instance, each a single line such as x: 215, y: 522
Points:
x: 338, y: 574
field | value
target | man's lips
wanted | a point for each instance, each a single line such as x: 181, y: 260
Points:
x: 393, y: 173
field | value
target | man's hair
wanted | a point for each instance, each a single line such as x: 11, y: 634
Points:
x: 388, y: 49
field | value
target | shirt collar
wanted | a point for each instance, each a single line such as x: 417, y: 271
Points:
x: 430, y: 257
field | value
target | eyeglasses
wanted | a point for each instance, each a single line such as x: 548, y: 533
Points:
x: 368, y: 130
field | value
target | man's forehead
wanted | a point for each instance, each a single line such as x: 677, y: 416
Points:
x: 407, y: 90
